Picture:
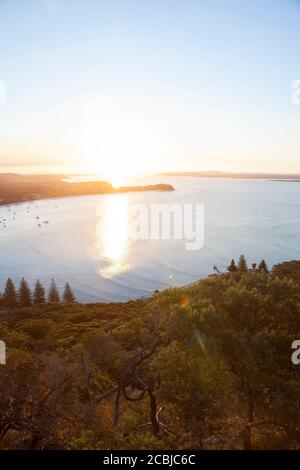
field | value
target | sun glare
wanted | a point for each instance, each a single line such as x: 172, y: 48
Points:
x: 112, y: 234
x: 112, y: 139
x: 116, y: 179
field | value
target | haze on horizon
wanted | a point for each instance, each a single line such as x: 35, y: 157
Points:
x: 137, y: 87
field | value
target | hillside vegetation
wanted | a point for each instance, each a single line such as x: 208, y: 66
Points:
x: 20, y: 188
x: 207, y: 366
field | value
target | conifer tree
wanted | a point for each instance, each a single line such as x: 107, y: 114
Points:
x: 24, y: 294
x: 242, y: 266
x: 69, y: 297
x: 232, y: 267
x: 10, y: 295
x: 263, y: 266
x: 53, y: 295
x: 39, y: 293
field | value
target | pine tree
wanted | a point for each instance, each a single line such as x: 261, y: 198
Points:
x: 53, y: 295
x: 232, y: 267
x: 263, y: 266
x: 242, y: 266
x: 24, y: 294
x: 10, y: 295
x: 39, y: 293
x: 69, y: 297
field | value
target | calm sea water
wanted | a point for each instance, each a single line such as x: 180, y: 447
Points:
x: 83, y: 240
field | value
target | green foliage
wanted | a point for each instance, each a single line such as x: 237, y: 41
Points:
x: 24, y: 294
x: 39, y: 294
x: 36, y: 328
x: 262, y: 267
x: 290, y: 269
x: 24, y: 298
x: 53, y: 295
x: 242, y: 266
x: 68, y: 295
x: 10, y: 295
x: 232, y: 268
x: 207, y: 366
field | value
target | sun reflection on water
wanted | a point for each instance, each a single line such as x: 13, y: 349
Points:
x: 112, y: 234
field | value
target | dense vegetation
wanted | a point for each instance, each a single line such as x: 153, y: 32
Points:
x: 207, y: 366
x: 24, y: 297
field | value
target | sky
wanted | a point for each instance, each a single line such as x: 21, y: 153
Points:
x: 138, y: 86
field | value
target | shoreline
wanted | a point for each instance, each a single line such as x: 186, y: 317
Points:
x: 290, y: 268
x: 17, y: 189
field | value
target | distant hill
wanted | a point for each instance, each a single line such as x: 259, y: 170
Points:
x: 224, y: 174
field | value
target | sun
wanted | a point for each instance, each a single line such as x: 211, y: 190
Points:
x: 116, y: 179
x: 112, y: 141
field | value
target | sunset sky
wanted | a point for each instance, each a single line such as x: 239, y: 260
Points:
x: 149, y: 85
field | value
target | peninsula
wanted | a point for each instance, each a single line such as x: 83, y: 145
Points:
x: 16, y: 188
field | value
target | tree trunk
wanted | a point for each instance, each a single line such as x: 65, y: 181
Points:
x: 117, y: 413
x: 153, y: 413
